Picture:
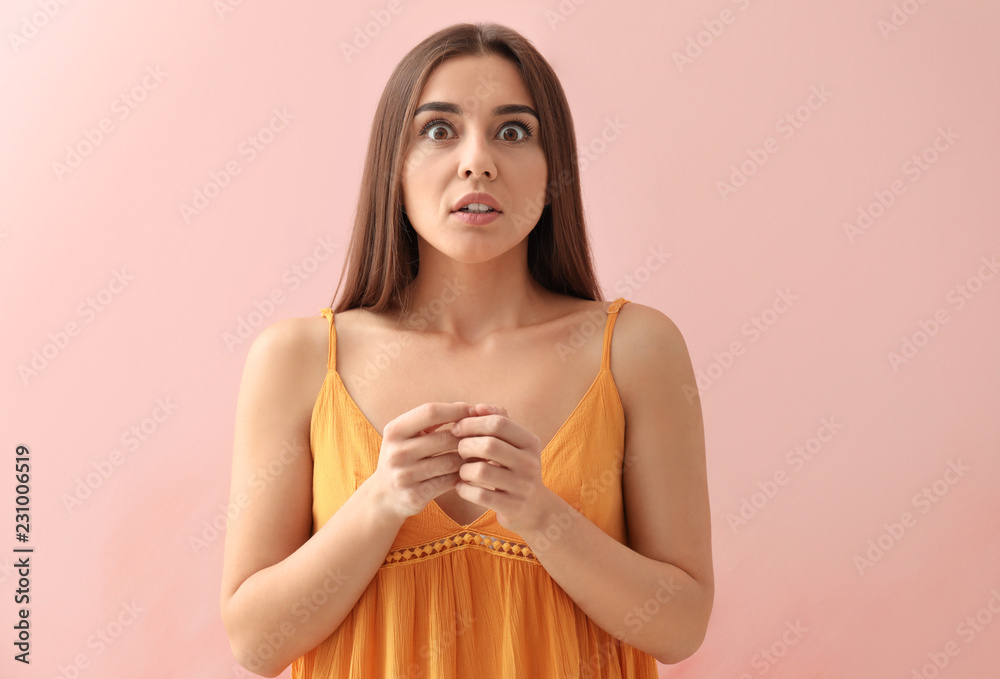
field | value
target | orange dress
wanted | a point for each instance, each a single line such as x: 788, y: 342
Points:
x: 456, y: 602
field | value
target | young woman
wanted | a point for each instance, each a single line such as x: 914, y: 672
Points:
x: 472, y: 492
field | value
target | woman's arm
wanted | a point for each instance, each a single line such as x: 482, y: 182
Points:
x: 273, y: 569
x: 657, y: 593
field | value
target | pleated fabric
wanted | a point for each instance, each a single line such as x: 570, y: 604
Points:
x: 453, y: 601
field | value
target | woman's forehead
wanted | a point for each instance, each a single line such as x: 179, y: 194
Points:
x: 472, y: 81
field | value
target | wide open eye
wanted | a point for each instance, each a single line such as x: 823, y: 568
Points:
x: 515, y: 125
x: 432, y: 125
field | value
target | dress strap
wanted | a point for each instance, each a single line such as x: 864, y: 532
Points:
x: 331, y: 359
x: 608, y: 330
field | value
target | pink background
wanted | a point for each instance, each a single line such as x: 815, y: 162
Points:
x: 660, y: 135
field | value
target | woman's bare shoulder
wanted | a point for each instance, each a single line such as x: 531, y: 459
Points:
x: 646, y: 341
x: 297, y: 336
x: 294, y: 350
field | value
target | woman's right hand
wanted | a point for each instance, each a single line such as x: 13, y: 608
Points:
x: 417, y: 460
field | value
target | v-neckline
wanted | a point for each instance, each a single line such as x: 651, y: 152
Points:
x: 542, y: 455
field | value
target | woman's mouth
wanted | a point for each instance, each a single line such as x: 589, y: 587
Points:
x: 476, y: 208
x: 476, y: 217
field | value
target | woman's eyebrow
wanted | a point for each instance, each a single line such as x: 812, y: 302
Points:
x: 448, y: 107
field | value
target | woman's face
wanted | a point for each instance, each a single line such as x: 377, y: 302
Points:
x: 460, y: 144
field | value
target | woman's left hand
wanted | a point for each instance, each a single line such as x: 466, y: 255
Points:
x: 505, y: 457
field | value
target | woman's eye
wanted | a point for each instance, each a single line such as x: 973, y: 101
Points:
x: 430, y: 131
x: 505, y: 136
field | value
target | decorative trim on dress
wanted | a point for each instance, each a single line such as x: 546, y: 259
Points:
x: 499, y: 546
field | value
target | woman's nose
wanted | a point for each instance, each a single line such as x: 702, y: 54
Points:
x: 476, y: 157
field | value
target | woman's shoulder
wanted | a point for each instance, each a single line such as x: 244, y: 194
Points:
x: 645, y: 319
x: 647, y: 346
x: 643, y: 332
x: 636, y: 322
x: 301, y: 333
x: 295, y: 334
x: 297, y: 347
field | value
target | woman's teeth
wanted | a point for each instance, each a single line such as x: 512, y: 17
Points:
x: 476, y: 207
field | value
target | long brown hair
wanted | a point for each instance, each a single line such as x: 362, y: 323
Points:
x: 383, y: 257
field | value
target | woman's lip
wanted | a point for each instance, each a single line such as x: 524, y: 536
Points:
x: 476, y: 218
